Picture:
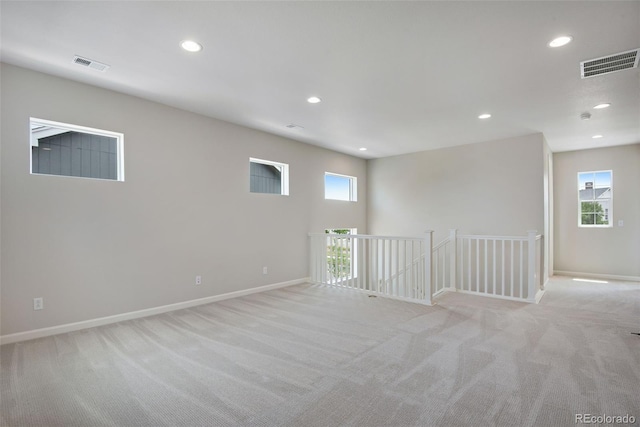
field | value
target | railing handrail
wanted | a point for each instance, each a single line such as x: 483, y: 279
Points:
x: 445, y: 241
x: 366, y: 236
x: 441, y: 244
x: 481, y: 237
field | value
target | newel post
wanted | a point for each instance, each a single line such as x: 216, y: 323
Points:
x: 531, y: 265
x: 453, y: 258
x: 428, y: 264
x: 312, y: 260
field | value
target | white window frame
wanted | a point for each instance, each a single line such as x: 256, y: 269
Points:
x: 65, y: 127
x: 353, y: 187
x: 609, y: 213
x: 284, y: 173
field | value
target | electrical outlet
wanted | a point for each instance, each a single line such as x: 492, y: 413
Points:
x: 198, y: 280
x: 264, y: 270
x: 38, y: 303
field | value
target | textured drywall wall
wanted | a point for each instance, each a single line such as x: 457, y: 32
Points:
x: 493, y: 188
x: 613, y: 251
x: 95, y: 248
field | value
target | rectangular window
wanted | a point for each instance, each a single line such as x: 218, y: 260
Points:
x: 268, y: 177
x: 342, y: 254
x: 340, y: 187
x: 595, y: 198
x: 77, y: 151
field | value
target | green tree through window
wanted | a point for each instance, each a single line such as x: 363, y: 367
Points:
x: 339, y: 254
x: 592, y: 213
x: 595, y: 199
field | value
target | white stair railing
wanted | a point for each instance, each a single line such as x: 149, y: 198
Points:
x: 442, y: 267
x: 500, y: 266
x: 412, y: 269
x: 395, y: 267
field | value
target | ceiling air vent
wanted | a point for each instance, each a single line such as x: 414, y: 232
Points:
x: 609, y: 64
x: 90, y: 63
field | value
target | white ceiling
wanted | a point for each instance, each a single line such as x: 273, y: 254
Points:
x: 395, y: 77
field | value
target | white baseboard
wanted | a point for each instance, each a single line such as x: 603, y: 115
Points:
x: 597, y: 276
x: 76, y: 326
x: 536, y: 300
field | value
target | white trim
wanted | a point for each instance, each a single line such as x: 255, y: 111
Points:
x: 44, y: 132
x: 74, y: 177
x: 536, y: 300
x: 546, y: 282
x: 539, y: 295
x: 284, y: 170
x: 368, y: 236
x: 353, y: 186
x: 82, y: 129
x: 597, y: 276
x: 610, y: 199
x: 76, y: 326
x: 517, y: 299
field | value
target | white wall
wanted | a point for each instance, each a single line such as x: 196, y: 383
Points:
x: 97, y: 248
x: 492, y: 188
x: 598, y: 251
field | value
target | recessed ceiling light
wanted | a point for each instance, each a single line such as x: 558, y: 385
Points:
x: 313, y: 100
x: 601, y: 106
x: 560, y: 41
x: 484, y: 116
x: 191, y: 46
x: 362, y: 149
x: 596, y: 136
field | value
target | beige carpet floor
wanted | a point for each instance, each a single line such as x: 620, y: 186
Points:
x: 316, y: 356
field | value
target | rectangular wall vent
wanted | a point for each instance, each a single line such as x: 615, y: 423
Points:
x: 90, y: 63
x: 609, y: 64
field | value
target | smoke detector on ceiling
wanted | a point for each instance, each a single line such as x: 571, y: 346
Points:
x: 90, y: 63
x: 609, y: 64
